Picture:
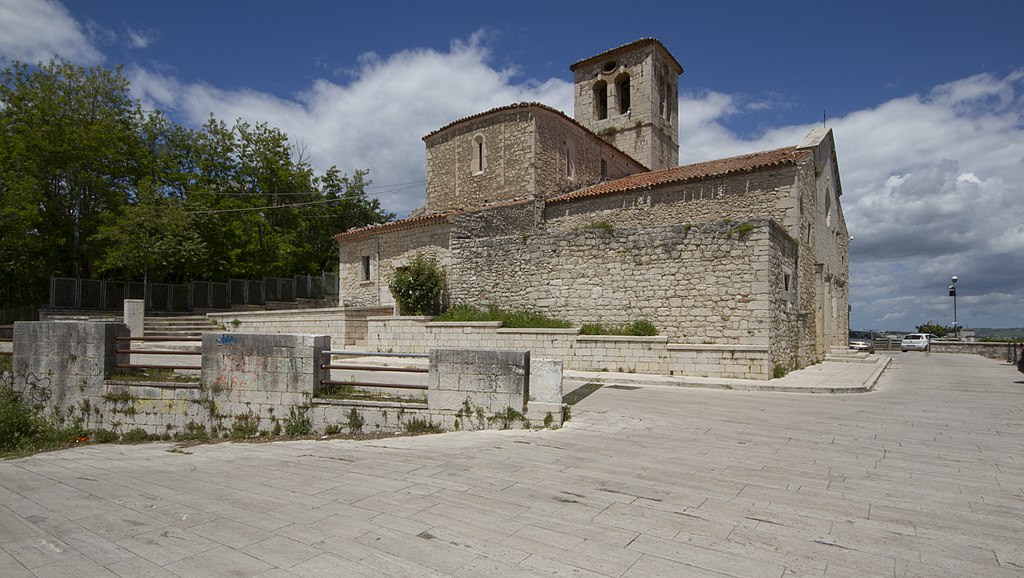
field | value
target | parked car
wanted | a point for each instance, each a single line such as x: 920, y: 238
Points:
x: 916, y: 342
x: 862, y: 341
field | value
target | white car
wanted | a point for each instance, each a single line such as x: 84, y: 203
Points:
x: 916, y: 342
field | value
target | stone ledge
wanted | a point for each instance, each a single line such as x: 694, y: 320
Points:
x: 715, y: 347
x: 539, y: 330
x: 365, y: 403
x: 628, y: 338
x: 160, y: 384
x: 441, y: 324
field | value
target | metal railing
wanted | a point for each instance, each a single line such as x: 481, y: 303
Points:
x: 68, y: 293
x: 7, y: 336
x: 330, y: 365
x: 131, y: 350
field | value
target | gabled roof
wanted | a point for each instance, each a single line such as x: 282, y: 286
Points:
x: 695, y: 172
x: 627, y: 47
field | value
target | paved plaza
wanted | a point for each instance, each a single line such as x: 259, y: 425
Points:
x: 923, y: 476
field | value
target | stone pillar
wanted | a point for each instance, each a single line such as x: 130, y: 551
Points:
x: 545, y: 392
x: 493, y: 380
x: 58, y: 363
x: 135, y: 316
x: 283, y: 369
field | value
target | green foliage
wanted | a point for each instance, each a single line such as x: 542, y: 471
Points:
x: 19, y: 424
x: 744, y: 229
x: 638, y: 328
x: 137, y: 436
x: 93, y: 185
x: 599, y: 226
x: 332, y: 429
x: 418, y: 287
x: 298, y: 423
x: 246, y: 425
x: 939, y: 330
x: 507, y: 418
x: 355, y: 422
x: 512, y: 319
x: 779, y: 371
x: 418, y: 425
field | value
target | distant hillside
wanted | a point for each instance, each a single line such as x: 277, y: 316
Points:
x: 1001, y: 333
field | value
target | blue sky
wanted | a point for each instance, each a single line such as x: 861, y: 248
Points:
x: 926, y: 100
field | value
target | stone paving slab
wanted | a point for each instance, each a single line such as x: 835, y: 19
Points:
x: 921, y: 476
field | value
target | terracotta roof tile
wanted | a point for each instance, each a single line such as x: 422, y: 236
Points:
x: 695, y: 172
x: 420, y: 221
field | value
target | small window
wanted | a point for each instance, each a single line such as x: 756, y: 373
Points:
x: 570, y: 161
x: 479, y: 163
x: 365, y: 273
x: 785, y: 282
x: 604, y: 169
x: 601, y: 99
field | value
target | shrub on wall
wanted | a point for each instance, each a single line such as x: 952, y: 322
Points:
x: 418, y: 287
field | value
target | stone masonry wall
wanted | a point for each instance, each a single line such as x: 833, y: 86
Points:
x: 555, y: 135
x: 386, y: 252
x: 454, y: 181
x: 253, y: 385
x: 654, y: 355
x: 697, y: 284
x: 762, y: 195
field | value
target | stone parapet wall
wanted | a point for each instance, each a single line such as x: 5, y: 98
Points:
x: 1000, y: 351
x: 654, y: 355
x: 63, y: 363
x: 261, y: 385
x: 345, y: 325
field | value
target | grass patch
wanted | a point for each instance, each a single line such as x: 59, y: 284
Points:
x: 354, y: 393
x: 168, y: 375
x: 598, y: 226
x: 298, y: 423
x: 6, y: 364
x: 510, y: 319
x: 638, y: 328
x: 779, y: 371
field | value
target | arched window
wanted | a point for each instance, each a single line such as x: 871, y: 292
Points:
x: 601, y: 99
x: 479, y: 155
x: 622, y: 88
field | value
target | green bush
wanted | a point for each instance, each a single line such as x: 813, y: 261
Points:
x: 511, y: 319
x: 638, y: 328
x: 298, y: 423
x: 18, y: 423
x: 418, y: 425
x: 418, y: 287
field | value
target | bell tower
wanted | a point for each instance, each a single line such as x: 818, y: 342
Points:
x: 630, y: 97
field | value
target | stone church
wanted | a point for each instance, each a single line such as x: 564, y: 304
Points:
x: 590, y: 219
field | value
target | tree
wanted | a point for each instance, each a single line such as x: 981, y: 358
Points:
x: 91, y: 184
x: 154, y: 236
x: 937, y: 330
x: 68, y: 154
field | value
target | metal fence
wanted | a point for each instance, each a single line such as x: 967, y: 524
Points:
x: 68, y: 293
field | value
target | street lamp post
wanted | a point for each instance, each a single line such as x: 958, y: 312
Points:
x: 952, y: 293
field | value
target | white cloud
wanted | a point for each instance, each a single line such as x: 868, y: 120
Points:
x: 141, y: 38
x: 36, y: 30
x: 374, y: 122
